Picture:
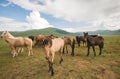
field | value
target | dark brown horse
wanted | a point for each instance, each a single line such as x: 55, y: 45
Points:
x: 79, y: 39
x: 69, y: 41
x: 94, y: 41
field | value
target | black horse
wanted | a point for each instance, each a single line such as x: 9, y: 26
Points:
x: 79, y: 39
x: 94, y: 41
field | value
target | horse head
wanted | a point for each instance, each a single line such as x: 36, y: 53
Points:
x: 6, y: 34
x: 47, y: 42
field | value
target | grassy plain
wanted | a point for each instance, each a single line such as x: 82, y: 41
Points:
x: 106, y: 66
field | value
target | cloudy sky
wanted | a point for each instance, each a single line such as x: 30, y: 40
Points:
x: 69, y: 15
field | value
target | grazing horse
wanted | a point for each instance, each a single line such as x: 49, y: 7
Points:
x: 79, y: 39
x: 69, y: 41
x: 17, y: 42
x: 51, y: 46
x: 93, y: 41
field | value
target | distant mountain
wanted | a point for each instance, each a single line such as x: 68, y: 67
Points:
x: 59, y: 32
x: 102, y: 32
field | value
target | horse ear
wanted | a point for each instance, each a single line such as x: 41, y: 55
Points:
x: 6, y: 31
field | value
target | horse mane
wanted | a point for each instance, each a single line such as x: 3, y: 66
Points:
x: 47, y: 41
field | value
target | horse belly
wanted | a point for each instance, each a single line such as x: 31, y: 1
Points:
x: 19, y: 43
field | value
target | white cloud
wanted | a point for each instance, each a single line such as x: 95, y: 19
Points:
x: 33, y: 21
x: 26, y: 4
x: 98, y: 12
x: 36, y: 21
x: 72, y: 10
x: 12, y: 25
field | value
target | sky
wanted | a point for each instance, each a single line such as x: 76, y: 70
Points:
x: 69, y: 15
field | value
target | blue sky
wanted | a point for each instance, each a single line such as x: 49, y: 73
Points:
x: 69, y: 15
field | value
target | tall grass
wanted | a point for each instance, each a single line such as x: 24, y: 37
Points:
x: 106, y: 66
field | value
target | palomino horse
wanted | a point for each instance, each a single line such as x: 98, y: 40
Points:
x: 69, y: 41
x: 51, y: 46
x: 17, y: 42
x: 93, y: 41
x: 79, y: 39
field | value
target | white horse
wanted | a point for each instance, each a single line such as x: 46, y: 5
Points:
x: 17, y: 42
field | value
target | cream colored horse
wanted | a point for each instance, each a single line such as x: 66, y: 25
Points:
x: 17, y: 42
x: 19, y: 49
x: 51, y: 46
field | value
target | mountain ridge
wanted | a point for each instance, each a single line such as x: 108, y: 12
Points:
x: 60, y: 32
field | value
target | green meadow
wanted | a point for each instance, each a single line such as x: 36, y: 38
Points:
x: 106, y: 66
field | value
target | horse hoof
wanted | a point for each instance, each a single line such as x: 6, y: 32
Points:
x: 94, y: 55
x: 52, y: 74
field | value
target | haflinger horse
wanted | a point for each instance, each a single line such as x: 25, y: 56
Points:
x: 69, y: 41
x: 17, y: 42
x: 79, y: 39
x: 93, y: 41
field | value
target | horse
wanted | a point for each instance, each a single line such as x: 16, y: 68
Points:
x: 69, y: 41
x: 52, y: 46
x: 79, y: 39
x: 94, y: 41
x: 39, y: 39
x: 17, y: 42
x: 31, y: 37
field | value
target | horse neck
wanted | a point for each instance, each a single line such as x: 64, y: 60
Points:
x: 9, y: 40
x: 11, y: 36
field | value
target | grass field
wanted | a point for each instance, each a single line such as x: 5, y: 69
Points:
x: 106, y: 66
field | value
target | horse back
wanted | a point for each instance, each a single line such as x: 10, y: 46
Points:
x: 57, y: 44
x: 20, y: 41
x: 95, y: 40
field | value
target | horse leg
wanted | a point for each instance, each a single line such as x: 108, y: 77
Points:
x: 14, y: 51
x: 88, y: 50
x: 73, y: 46
x: 94, y: 50
x: 21, y: 49
x: 79, y: 44
x: 63, y: 49
x: 47, y: 53
x: 61, y: 59
x: 51, y: 64
x: 83, y: 43
x: 66, y: 49
x: 28, y: 52
x: 51, y: 69
x: 100, y: 50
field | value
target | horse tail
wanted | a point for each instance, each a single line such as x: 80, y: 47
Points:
x: 73, y: 46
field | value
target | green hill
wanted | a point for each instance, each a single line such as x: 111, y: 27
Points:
x: 102, y: 32
x: 59, y: 32
x: 46, y: 31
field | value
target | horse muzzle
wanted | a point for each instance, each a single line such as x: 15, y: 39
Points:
x: 1, y: 36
